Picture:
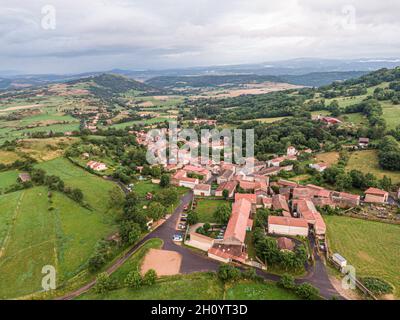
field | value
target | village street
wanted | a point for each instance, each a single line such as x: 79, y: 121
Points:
x: 197, y: 262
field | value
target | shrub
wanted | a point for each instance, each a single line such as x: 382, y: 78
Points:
x: 377, y: 286
x: 307, y: 291
x: 104, y: 283
x: 150, y: 278
x: 228, y: 273
x: 134, y: 279
x: 287, y: 282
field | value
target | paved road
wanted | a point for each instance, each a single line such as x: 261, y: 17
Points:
x: 197, y: 262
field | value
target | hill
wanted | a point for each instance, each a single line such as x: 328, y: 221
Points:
x: 315, y: 79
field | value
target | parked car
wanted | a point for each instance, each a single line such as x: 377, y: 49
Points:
x: 183, y: 219
x: 182, y: 226
x: 177, y: 237
x: 184, y: 215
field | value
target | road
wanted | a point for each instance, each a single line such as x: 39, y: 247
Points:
x: 197, y: 262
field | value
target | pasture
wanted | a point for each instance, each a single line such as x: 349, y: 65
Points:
x: 95, y: 189
x: 371, y: 247
x: 367, y: 161
x: 59, y: 232
x: 7, y: 179
x: 328, y: 158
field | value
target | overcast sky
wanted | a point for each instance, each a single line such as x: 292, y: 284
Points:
x: 94, y: 35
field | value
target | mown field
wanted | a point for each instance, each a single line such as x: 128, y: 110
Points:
x: 58, y: 232
x: 371, y: 247
x: 367, y: 161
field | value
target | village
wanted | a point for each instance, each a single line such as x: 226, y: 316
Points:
x: 294, y: 206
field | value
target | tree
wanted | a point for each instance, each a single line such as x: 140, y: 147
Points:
x: 307, y: 291
x: 129, y: 231
x: 104, y: 283
x: 167, y: 197
x: 77, y: 195
x: 156, y: 211
x: 165, y: 181
x: 222, y: 214
x: 225, y: 194
x: 134, y: 234
x: 116, y: 198
x: 343, y: 181
x: 385, y: 183
x: 150, y: 278
x: 228, y: 273
x: 192, y: 218
x: 134, y: 279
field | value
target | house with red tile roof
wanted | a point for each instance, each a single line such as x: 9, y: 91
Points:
x: 345, y: 200
x: 306, y: 209
x: 180, y: 179
x: 202, y: 190
x: 96, y: 166
x: 287, y: 226
x: 285, y: 244
x: 230, y: 186
x: 279, y: 203
x: 375, y: 195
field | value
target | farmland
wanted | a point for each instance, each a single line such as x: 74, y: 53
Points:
x: 371, y: 247
x: 367, y: 161
x: 58, y: 232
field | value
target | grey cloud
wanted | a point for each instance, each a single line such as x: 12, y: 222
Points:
x: 90, y: 34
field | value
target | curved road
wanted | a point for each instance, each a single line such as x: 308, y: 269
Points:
x: 196, y: 262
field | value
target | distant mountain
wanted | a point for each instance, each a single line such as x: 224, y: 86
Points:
x: 313, y: 71
x: 109, y: 85
x: 315, y: 79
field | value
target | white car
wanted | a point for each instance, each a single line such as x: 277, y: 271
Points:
x: 177, y: 237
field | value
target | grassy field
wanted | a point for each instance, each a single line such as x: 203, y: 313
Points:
x: 367, y: 161
x: 95, y: 189
x: 328, y: 158
x: 141, y: 188
x: 247, y: 290
x: 45, y: 149
x: 391, y: 114
x: 197, y: 286
x: 205, y: 209
x: 7, y: 179
x: 371, y: 247
x: 8, y: 157
x: 58, y: 232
